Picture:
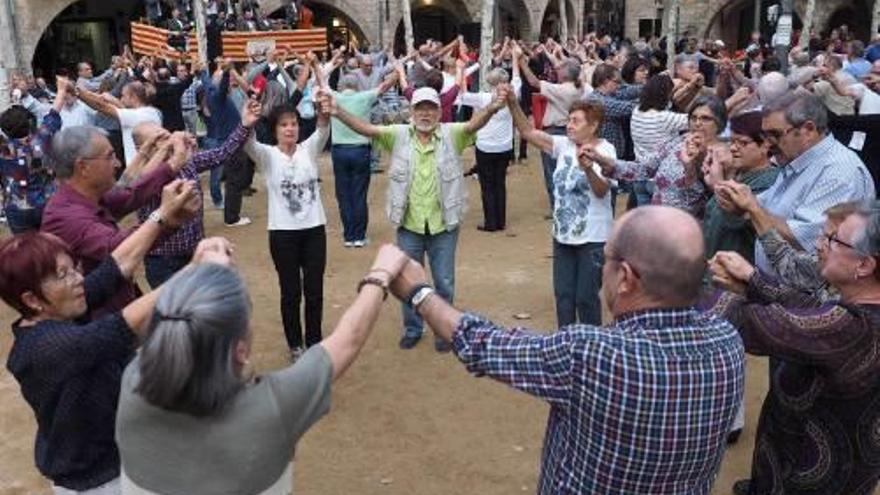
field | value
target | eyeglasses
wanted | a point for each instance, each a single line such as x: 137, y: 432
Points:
x: 741, y: 142
x: 110, y: 156
x: 776, y: 134
x: 69, y: 276
x: 701, y: 118
x: 832, y: 238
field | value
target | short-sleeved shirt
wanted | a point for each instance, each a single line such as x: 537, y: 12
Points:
x: 835, y: 102
x: 560, y: 98
x: 357, y: 104
x: 245, y: 448
x: 579, y: 216
x: 128, y: 119
x: 292, y: 182
x: 424, y: 214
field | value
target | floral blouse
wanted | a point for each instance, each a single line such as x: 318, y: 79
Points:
x: 674, y: 187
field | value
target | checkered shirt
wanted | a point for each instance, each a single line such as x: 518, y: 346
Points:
x: 183, y: 241
x: 643, y: 406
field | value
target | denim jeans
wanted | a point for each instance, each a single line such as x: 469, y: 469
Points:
x: 216, y: 173
x: 160, y: 268
x: 351, y: 167
x: 549, y: 164
x: 26, y: 220
x: 643, y: 191
x: 577, y: 278
x: 440, y: 249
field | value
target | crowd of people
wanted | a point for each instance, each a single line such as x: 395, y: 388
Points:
x: 750, y: 228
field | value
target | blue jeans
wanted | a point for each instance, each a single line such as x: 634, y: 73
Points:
x: 440, y: 249
x: 21, y: 221
x: 216, y: 173
x: 351, y: 166
x: 577, y: 279
x: 160, y: 268
x: 549, y: 164
x: 643, y: 190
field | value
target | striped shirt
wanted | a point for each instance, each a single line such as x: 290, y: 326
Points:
x: 823, y: 176
x: 650, y: 129
x: 643, y: 406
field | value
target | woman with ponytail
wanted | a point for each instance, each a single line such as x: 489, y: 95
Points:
x: 193, y: 419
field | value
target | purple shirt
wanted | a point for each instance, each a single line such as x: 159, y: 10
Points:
x: 90, y: 229
x: 183, y: 241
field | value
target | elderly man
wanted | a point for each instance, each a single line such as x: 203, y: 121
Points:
x: 136, y: 110
x: 175, y: 251
x: 86, y: 76
x: 351, y: 154
x: 641, y: 406
x: 818, y: 172
x: 85, y: 209
x: 427, y: 196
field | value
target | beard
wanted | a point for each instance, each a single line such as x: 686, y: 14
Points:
x: 425, y: 126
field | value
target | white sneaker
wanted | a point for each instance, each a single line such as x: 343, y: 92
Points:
x: 240, y: 223
x: 348, y: 244
x: 361, y: 243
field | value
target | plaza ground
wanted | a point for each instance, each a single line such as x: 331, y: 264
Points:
x: 401, y: 422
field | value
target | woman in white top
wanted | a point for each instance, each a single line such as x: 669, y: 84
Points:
x: 297, y: 238
x: 653, y: 124
x: 582, y: 212
x: 494, y: 148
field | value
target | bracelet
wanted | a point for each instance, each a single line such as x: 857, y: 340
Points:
x: 382, y: 270
x: 373, y: 281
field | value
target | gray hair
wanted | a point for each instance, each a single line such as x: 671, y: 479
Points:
x: 497, y: 76
x: 69, y: 145
x: 187, y: 362
x: 571, y: 72
x: 716, y: 106
x: 800, y: 108
x: 867, y: 242
x: 772, y: 86
x: 349, y: 81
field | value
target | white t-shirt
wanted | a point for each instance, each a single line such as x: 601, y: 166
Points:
x: 292, y: 182
x: 128, y: 119
x: 497, y: 135
x: 77, y: 114
x: 650, y: 129
x: 579, y: 216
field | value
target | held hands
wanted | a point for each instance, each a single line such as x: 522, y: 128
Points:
x: 181, y: 150
x: 736, y: 198
x: 731, y: 271
x: 251, y: 113
x: 326, y: 102
x: 217, y: 250
x: 388, y: 264
x: 589, y: 153
x: 503, y: 93
x: 693, y: 150
x: 180, y: 202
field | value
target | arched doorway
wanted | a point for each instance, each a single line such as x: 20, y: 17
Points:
x: 341, y: 28
x: 551, y: 24
x: 513, y: 19
x: 92, y: 30
x: 734, y: 23
x: 440, y: 20
x: 856, y: 16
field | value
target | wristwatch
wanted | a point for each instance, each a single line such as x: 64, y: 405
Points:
x: 156, y: 216
x: 419, y: 294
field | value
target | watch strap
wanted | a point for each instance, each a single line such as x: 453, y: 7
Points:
x: 368, y: 280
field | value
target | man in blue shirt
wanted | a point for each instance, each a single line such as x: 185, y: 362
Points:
x: 857, y: 67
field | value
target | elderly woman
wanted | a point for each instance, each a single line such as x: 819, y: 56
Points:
x: 494, y: 148
x: 297, y: 234
x: 582, y: 211
x: 817, y: 432
x: 69, y: 371
x: 192, y: 417
x: 676, y: 166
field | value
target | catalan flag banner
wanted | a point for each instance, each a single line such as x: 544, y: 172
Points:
x: 239, y: 46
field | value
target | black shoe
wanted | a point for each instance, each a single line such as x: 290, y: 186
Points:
x: 409, y: 341
x: 442, y: 346
x: 733, y: 436
x: 483, y: 228
x: 742, y: 487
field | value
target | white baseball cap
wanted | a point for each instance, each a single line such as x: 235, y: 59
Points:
x: 425, y: 94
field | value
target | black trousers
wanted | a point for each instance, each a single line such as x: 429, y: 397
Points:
x: 300, y: 257
x: 238, y: 172
x: 492, y: 169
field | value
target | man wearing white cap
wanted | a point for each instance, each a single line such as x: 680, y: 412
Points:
x: 427, y: 195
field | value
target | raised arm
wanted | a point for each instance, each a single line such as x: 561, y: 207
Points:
x: 97, y: 102
x: 329, y: 107
x: 528, y: 132
x: 482, y: 117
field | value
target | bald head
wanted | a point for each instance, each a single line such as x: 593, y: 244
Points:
x: 145, y: 130
x: 665, y: 246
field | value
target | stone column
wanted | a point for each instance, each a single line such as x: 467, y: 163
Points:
x: 407, y: 25
x: 757, y: 18
x: 810, y: 12
x: 563, y: 22
x: 487, y: 39
x: 201, y: 30
x: 10, y: 57
x: 875, y: 20
x: 671, y: 33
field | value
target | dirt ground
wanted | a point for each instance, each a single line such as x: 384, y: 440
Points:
x: 401, y: 422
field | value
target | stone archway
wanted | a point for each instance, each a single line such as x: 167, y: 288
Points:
x: 550, y: 14
x: 365, y: 25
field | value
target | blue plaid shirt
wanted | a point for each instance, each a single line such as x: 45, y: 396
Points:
x: 643, y: 406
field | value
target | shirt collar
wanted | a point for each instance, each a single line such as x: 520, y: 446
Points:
x: 71, y: 195
x: 434, y: 135
x: 657, y: 318
x: 808, y: 157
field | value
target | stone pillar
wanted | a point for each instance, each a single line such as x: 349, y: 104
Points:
x: 875, y: 20
x: 407, y: 25
x: 201, y: 30
x: 563, y: 22
x: 487, y: 39
x: 804, y: 41
x: 10, y: 57
x: 757, y: 21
